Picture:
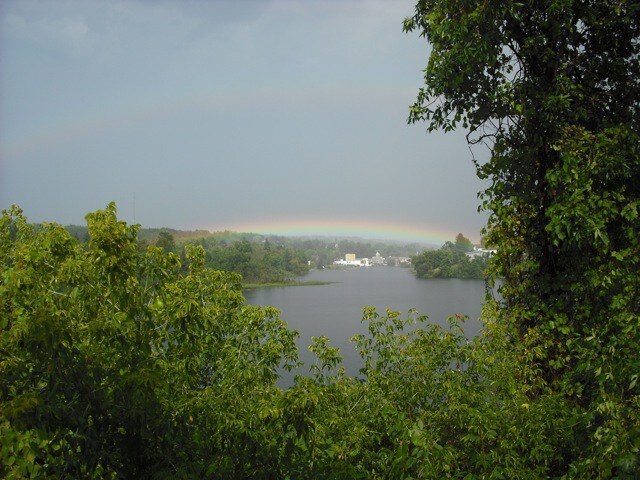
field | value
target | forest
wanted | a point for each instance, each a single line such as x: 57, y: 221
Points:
x: 124, y: 362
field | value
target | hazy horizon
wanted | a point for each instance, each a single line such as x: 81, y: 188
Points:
x: 283, y: 115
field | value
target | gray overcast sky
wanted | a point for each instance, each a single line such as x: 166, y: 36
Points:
x: 227, y: 114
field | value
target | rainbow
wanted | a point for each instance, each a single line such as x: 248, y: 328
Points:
x: 371, y: 230
x: 104, y: 119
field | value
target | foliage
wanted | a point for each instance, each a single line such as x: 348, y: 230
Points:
x: 165, y: 240
x: 450, y: 261
x: 552, y: 88
x: 256, y: 262
x: 448, y: 264
x: 107, y: 355
x: 118, y: 361
x: 461, y: 244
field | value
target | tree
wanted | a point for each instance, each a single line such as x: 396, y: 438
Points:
x: 165, y: 240
x: 553, y: 88
x: 115, y: 364
x: 450, y: 261
x: 463, y: 244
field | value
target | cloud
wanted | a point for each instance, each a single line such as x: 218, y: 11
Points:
x: 67, y: 34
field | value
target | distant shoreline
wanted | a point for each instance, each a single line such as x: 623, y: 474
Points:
x: 293, y: 283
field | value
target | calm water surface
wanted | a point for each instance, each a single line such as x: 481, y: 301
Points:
x: 336, y: 310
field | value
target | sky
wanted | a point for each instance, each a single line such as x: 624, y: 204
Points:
x: 274, y: 116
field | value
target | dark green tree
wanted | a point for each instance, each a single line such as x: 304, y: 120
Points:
x: 165, y: 240
x: 450, y: 261
x: 552, y: 87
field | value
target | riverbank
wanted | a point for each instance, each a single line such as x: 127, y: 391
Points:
x: 292, y: 283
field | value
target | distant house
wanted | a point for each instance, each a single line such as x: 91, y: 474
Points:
x: 351, y: 261
x: 479, y: 252
x: 378, y: 259
x: 398, y: 261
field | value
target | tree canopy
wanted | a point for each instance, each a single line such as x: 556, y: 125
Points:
x: 450, y: 261
x: 110, y: 355
x: 552, y: 88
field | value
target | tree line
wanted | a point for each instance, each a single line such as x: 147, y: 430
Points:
x: 261, y: 259
x: 256, y: 262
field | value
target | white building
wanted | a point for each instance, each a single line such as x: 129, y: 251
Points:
x: 351, y: 261
x: 478, y: 252
x: 378, y: 259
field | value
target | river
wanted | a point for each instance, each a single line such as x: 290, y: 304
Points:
x: 335, y: 310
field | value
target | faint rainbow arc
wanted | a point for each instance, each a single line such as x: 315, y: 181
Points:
x: 107, y: 118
